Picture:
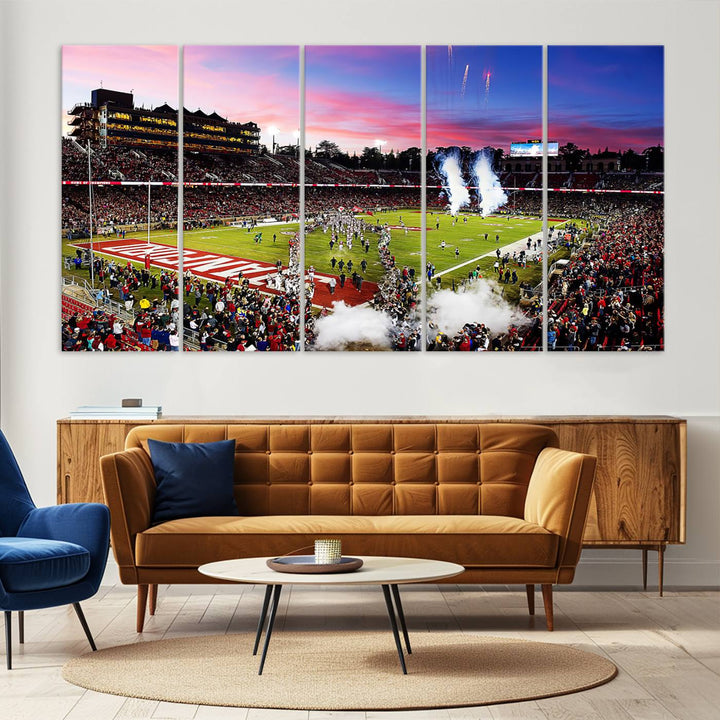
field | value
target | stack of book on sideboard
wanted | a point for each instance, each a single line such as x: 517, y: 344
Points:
x: 116, y: 412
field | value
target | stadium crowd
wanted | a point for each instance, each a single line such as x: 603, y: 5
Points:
x: 131, y: 164
x: 128, y: 205
x: 102, y: 330
x: 119, y: 321
x: 610, y: 296
x: 479, y: 338
x: 236, y: 202
x: 118, y: 163
x: 114, y: 207
x: 233, y: 316
x: 318, y: 200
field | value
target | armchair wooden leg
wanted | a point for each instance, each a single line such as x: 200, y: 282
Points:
x: 8, y: 638
x: 152, y: 597
x: 547, y: 594
x: 141, y: 605
x: 21, y: 626
x: 83, y: 622
x: 530, y: 590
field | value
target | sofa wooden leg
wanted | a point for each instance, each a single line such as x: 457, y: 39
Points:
x: 547, y: 594
x: 152, y: 598
x: 530, y: 590
x: 141, y: 605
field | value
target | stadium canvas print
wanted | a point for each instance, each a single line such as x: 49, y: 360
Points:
x: 241, y: 256
x: 363, y: 236
x: 484, y: 221
x: 507, y: 241
x: 119, y: 198
x: 605, y: 199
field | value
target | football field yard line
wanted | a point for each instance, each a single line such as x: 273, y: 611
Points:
x: 517, y: 245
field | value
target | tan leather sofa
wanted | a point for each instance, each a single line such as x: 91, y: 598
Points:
x: 500, y: 499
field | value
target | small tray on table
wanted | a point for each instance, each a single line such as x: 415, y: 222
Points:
x: 307, y: 564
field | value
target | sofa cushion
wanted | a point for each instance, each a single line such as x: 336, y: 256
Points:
x: 193, y: 479
x: 31, y: 564
x: 470, y: 540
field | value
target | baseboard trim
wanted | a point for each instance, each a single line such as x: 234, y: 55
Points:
x: 627, y: 572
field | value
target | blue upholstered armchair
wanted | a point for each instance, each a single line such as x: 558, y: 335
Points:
x: 48, y: 556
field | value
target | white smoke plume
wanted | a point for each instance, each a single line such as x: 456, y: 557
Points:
x: 476, y: 303
x: 492, y: 196
x: 349, y: 327
x: 455, y: 186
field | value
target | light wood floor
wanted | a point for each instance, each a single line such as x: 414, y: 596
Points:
x: 667, y: 649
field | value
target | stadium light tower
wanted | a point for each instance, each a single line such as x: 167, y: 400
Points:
x: 273, y: 131
x: 296, y: 136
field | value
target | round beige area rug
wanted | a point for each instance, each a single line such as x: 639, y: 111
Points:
x: 336, y: 671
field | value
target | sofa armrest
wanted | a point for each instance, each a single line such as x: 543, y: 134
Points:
x: 558, y: 499
x: 85, y: 524
x: 129, y: 487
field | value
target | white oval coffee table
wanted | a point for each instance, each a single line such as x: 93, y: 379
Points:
x: 388, y: 572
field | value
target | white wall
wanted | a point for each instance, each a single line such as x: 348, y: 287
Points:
x: 39, y: 384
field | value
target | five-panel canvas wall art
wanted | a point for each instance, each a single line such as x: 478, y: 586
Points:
x: 387, y: 198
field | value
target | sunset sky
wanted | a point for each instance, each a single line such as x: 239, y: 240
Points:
x: 356, y: 95
x: 241, y: 83
x: 509, y: 110
x: 257, y: 83
x: 606, y: 96
x: 598, y: 96
x: 149, y: 71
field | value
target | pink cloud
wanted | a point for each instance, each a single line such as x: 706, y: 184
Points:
x: 497, y: 134
x: 242, y: 97
x: 150, y: 71
x: 246, y: 83
x: 590, y: 136
x: 355, y: 120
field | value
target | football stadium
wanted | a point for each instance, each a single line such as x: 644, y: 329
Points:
x: 394, y: 251
x: 246, y: 236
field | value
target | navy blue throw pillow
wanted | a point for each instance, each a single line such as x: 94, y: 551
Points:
x: 193, y: 479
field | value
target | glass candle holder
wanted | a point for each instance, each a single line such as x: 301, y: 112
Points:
x: 328, y: 552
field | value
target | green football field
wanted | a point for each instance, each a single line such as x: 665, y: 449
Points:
x: 468, y: 236
x: 406, y: 246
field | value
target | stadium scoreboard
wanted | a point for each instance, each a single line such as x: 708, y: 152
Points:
x: 533, y: 148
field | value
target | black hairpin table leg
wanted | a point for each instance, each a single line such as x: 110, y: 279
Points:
x: 271, y: 622
x: 401, y: 617
x: 393, y: 625
x: 263, y: 615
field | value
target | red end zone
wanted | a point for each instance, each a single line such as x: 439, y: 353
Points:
x: 213, y: 266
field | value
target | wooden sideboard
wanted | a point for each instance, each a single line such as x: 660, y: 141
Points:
x: 640, y: 485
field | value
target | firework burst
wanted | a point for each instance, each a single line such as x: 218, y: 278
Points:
x: 464, y: 81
